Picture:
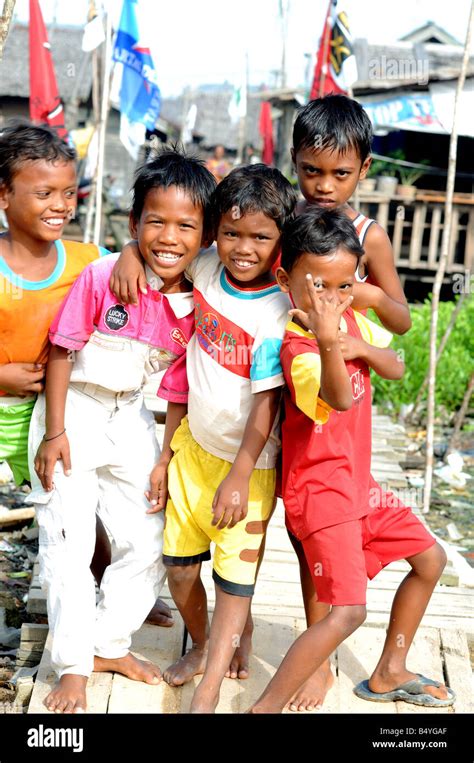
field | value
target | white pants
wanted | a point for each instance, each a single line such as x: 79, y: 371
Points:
x: 113, y: 450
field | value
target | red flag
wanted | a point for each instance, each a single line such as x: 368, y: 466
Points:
x: 45, y: 104
x: 336, y: 68
x: 266, y: 131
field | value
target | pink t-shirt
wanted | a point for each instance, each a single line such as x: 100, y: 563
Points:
x: 118, y: 346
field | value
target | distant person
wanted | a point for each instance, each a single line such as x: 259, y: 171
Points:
x: 250, y: 156
x: 218, y: 164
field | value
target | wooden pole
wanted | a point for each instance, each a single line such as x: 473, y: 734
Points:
x: 448, y: 210
x: 5, y: 21
x: 104, y: 110
x: 243, y: 119
x: 96, y: 111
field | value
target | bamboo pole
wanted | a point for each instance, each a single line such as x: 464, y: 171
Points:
x: 89, y: 220
x: 448, y: 210
x: 5, y: 21
x: 104, y: 110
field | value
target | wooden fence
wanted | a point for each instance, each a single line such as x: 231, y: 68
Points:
x: 415, y: 228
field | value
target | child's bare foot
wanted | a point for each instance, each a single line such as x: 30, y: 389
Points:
x: 239, y: 665
x: 381, y: 682
x: 313, y: 693
x: 160, y: 614
x: 69, y: 695
x: 129, y: 666
x: 193, y: 663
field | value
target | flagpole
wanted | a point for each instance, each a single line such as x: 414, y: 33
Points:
x: 326, y: 37
x: 104, y: 110
x: 243, y: 118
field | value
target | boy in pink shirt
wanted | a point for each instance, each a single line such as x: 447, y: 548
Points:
x: 101, y: 354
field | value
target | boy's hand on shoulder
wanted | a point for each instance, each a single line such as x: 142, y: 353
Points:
x: 351, y: 347
x: 157, y: 495
x: 230, y: 504
x: 128, y: 275
x: 22, y: 379
x: 323, y: 317
x: 47, y: 455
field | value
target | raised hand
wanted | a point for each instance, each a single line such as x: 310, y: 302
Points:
x: 323, y: 316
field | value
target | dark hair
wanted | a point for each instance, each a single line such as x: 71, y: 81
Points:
x: 172, y: 166
x: 255, y: 188
x: 318, y: 232
x: 335, y: 122
x: 21, y: 142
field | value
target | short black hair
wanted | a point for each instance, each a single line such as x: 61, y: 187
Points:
x: 255, y: 188
x: 335, y: 122
x: 318, y: 232
x: 21, y: 141
x: 172, y: 166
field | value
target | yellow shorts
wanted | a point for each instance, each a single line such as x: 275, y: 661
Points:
x: 193, y: 478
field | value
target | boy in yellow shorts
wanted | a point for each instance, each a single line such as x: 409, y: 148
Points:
x: 221, y: 479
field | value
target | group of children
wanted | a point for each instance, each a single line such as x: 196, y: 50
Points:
x: 216, y: 317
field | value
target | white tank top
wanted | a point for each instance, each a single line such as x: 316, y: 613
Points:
x: 362, y: 224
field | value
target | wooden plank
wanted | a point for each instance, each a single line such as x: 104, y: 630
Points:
x: 433, y: 246
x: 36, y: 604
x: 424, y: 657
x: 161, y: 646
x: 356, y: 660
x: 417, y: 235
x: 469, y: 249
x: 398, y: 233
x: 34, y: 632
x: 455, y: 652
x: 453, y: 236
x: 382, y: 214
x: 98, y: 687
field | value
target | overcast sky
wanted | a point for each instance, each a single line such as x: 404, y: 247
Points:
x: 199, y: 42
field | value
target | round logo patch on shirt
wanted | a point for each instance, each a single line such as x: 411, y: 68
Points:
x: 116, y: 317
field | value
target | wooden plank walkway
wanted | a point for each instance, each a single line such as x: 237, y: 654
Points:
x: 440, y: 649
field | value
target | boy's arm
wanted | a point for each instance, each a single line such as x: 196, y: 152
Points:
x: 128, y: 275
x: 384, y: 361
x: 387, y: 299
x: 55, y: 444
x: 158, y: 492
x: 230, y: 501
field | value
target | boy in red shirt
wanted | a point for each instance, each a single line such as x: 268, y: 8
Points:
x: 349, y: 528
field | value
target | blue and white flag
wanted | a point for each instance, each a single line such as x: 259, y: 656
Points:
x: 140, y: 97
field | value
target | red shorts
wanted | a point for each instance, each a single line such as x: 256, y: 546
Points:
x: 342, y: 557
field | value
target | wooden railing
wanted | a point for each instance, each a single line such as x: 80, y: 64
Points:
x: 415, y: 228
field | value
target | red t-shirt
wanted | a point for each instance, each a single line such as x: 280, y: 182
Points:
x: 326, y: 453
